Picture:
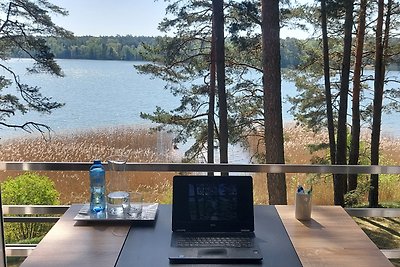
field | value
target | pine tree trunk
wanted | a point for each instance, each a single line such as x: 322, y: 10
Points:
x: 328, y: 95
x: 211, y: 103
x: 381, y: 45
x: 354, y: 153
x: 218, y: 14
x: 340, y: 180
x: 272, y: 99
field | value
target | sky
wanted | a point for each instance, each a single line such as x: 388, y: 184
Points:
x: 111, y: 17
x: 121, y: 17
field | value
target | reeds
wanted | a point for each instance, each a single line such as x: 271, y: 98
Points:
x: 140, y: 145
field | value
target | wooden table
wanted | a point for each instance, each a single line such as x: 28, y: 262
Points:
x: 70, y: 243
x: 331, y: 238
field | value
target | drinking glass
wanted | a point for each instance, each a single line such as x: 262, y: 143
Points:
x: 117, y: 186
x: 136, y: 205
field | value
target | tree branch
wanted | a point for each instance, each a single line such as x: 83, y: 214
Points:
x: 29, y: 127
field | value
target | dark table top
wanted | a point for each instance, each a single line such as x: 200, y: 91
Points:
x: 149, y: 245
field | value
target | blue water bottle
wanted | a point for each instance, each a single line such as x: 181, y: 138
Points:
x: 97, y: 187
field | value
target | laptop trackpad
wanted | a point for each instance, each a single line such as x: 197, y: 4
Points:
x: 212, y: 252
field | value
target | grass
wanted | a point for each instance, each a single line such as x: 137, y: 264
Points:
x: 384, y: 232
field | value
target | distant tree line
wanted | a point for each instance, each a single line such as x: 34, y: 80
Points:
x: 130, y: 47
x: 105, y: 47
x: 101, y: 48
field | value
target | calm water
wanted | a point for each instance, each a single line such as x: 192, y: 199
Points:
x: 96, y: 94
x: 111, y: 93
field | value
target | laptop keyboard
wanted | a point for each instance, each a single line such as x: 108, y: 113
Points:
x: 215, y: 241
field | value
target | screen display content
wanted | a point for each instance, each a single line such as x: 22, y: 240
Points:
x: 213, y: 202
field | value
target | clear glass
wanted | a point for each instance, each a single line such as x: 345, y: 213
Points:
x: 117, y: 186
x: 136, y: 204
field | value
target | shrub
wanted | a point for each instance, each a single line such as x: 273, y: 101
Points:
x: 28, y: 189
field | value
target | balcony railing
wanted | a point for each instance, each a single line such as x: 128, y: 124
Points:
x: 10, y: 212
x: 24, y: 250
x: 207, y: 167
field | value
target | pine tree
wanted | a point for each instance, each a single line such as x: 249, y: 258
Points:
x: 23, y: 26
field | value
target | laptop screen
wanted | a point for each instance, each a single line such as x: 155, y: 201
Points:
x: 212, y: 203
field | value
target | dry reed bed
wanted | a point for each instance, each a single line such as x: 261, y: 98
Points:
x: 138, y: 144
x: 141, y: 146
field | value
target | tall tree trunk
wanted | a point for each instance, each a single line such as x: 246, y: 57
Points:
x: 211, y: 103
x: 340, y: 180
x: 354, y: 153
x: 272, y: 99
x: 218, y: 13
x: 328, y: 94
x: 381, y: 44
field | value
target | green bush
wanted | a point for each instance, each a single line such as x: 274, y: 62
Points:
x: 28, y: 189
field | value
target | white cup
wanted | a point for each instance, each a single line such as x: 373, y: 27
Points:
x: 303, y: 206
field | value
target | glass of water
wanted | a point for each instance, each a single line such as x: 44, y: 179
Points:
x: 136, y: 205
x: 118, y: 197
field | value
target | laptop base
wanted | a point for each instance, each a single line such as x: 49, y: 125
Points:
x: 213, y: 261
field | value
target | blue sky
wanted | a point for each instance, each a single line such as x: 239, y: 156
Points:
x: 121, y: 17
x: 111, y: 17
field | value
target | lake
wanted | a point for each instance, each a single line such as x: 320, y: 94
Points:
x: 96, y: 94
x: 100, y: 93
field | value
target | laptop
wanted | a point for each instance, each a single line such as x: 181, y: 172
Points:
x: 213, y: 220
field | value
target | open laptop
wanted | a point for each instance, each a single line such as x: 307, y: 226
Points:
x: 213, y: 220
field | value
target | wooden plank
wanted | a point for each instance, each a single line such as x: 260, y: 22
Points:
x: 330, y: 238
x: 70, y: 243
x: 31, y: 219
x: 19, y: 251
x: 391, y: 253
x: 34, y: 209
x: 373, y: 212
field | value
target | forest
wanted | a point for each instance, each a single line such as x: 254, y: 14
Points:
x: 130, y: 47
x: 90, y: 47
